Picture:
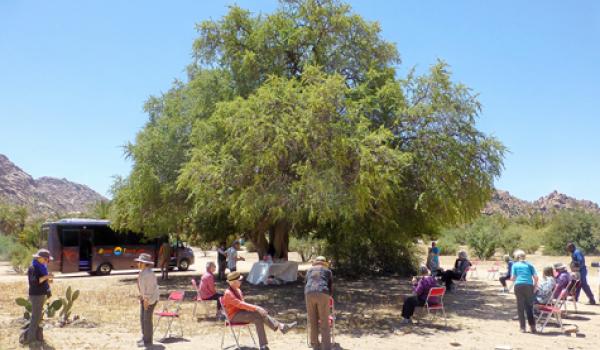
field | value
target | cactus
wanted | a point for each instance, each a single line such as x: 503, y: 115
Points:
x: 53, y: 307
x: 27, y: 305
x: 68, y: 301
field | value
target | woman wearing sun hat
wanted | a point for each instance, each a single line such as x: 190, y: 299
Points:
x: 148, y: 288
x: 318, y: 289
x: 239, y: 311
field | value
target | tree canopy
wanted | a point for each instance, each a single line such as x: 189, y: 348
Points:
x: 297, y: 122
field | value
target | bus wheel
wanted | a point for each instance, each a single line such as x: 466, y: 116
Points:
x: 104, y: 269
x: 184, y: 264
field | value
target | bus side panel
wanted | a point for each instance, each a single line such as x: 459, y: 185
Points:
x: 54, y: 247
x: 120, y: 257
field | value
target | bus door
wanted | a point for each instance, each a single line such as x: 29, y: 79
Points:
x: 70, y: 249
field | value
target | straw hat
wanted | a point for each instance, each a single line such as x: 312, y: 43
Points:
x: 234, y: 276
x: 43, y: 253
x: 321, y: 260
x: 560, y: 266
x: 145, y: 258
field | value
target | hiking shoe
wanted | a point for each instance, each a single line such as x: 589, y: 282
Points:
x: 287, y: 326
x: 406, y: 321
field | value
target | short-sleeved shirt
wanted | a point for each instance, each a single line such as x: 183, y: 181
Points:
x: 319, y: 279
x: 578, y: 257
x: 436, y: 256
x: 34, y: 273
x: 231, y: 258
x: 523, y: 272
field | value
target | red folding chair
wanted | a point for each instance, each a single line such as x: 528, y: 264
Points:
x: 198, y: 299
x: 231, y: 326
x: 493, y: 271
x: 554, y: 309
x: 431, y: 305
x: 331, y: 321
x: 173, y: 303
x: 473, y: 269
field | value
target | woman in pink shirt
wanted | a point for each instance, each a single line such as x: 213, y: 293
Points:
x: 207, y: 286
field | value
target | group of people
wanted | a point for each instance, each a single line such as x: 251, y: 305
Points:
x: 318, y: 289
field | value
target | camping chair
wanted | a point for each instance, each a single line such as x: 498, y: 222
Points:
x: 430, y: 306
x: 493, y: 271
x: 198, y: 299
x: 553, y: 309
x: 174, y: 301
x: 571, y: 295
x: 231, y: 326
x: 331, y: 321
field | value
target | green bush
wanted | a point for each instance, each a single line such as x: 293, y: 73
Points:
x: 20, y: 257
x: 447, y: 244
x: 576, y: 226
x: 531, y: 240
x: 482, y: 237
x: 7, y: 243
x: 511, y: 238
x: 308, y: 247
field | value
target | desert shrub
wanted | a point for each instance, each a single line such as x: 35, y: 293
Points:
x: 20, y: 257
x: 531, y: 240
x: 308, y: 247
x: 250, y: 247
x: 7, y: 243
x: 482, y: 237
x: 511, y: 238
x: 447, y: 243
x: 576, y: 226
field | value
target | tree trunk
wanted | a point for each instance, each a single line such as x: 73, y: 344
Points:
x: 258, y: 238
x: 279, y: 238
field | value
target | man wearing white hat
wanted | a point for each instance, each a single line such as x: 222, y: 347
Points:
x: 148, y: 287
x: 39, y: 289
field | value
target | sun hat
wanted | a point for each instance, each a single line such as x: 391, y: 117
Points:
x: 43, y: 253
x: 560, y: 266
x: 145, y: 258
x: 234, y: 276
x: 321, y: 260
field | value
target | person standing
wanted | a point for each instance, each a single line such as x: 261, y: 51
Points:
x: 222, y: 260
x: 164, y: 259
x: 148, y: 288
x: 233, y: 257
x: 526, y: 279
x: 39, y: 289
x: 318, y: 290
x: 577, y: 257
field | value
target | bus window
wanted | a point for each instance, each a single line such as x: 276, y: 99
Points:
x: 70, y: 237
x: 104, y: 235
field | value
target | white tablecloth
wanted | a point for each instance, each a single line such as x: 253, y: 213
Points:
x: 285, y: 271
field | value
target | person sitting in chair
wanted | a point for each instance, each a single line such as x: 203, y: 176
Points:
x: 563, y: 278
x: 460, y: 268
x: 238, y: 311
x: 506, y: 276
x: 207, y: 286
x: 543, y: 294
x: 421, y: 286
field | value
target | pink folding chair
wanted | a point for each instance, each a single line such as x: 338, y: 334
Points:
x: 435, y: 302
x: 174, y: 303
x: 198, y: 299
x: 473, y: 269
x: 571, y: 296
x: 493, y: 271
x: 332, y: 318
x: 231, y: 326
x: 553, y: 309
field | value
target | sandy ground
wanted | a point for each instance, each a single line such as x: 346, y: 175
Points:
x: 368, y: 311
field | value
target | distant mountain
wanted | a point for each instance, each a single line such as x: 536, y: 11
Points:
x: 505, y: 204
x: 44, y: 196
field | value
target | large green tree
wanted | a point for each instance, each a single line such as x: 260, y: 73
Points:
x: 296, y: 122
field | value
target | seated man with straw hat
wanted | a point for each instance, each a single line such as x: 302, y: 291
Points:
x: 238, y: 311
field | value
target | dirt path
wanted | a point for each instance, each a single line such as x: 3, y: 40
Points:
x: 368, y: 316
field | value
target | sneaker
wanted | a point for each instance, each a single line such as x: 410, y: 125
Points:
x: 523, y: 330
x: 533, y: 330
x: 593, y: 302
x: 264, y: 348
x: 287, y: 326
x: 406, y: 321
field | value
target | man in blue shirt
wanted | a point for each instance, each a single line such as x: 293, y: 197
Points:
x: 577, y: 256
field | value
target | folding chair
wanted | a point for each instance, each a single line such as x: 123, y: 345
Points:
x: 198, y: 299
x: 231, y: 326
x: 493, y: 271
x: 554, y: 309
x: 571, y: 295
x: 174, y: 301
x: 430, y: 306
x: 331, y: 321
x: 473, y: 269
x: 463, y: 278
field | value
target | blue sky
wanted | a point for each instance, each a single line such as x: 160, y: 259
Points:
x: 75, y: 74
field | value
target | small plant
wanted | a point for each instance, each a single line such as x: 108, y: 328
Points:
x: 67, y: 303
x: 27, y: 305
x: 49, y: 311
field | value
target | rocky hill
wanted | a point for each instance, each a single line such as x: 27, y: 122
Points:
x: 505, y: 204
x: 44, y: 196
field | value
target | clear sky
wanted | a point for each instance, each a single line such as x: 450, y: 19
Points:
x: 75, y: 74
